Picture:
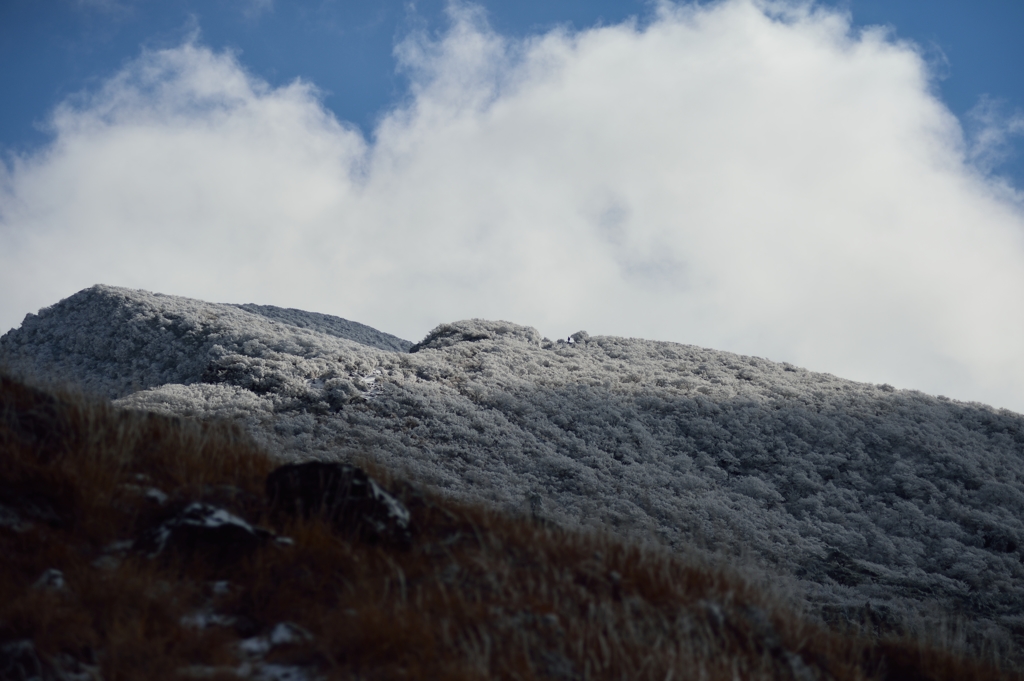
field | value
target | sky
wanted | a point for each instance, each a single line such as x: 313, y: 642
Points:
x: 836, y: 185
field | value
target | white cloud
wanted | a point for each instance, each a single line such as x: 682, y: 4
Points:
x: 991, y: 132
x: 750, y: 179
x: 253, y: 9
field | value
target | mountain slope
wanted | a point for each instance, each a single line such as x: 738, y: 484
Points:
x: 909, y: 503
x: 138, y: 546
x: 332, y: 326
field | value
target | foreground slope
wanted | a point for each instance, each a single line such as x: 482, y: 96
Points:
x: 869, y: 496
x: 138, y: 546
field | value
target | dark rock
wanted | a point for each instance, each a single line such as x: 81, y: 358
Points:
x: 555, y: 665
x: 12, y: 520
x: 343, y: 493
x: 19, y: 661
x: 24, y: 502
x: 232, y: 496
x: 36, y: 421
x: 283, y: 634
x: 65, y: 667
x: 51, y: 580
x: 203, y: 529
x: 150, y: 494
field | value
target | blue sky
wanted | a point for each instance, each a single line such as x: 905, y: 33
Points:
x: 834, y: 185
x: 345, y: 48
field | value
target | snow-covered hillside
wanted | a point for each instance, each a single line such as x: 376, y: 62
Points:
x: 866, y: 494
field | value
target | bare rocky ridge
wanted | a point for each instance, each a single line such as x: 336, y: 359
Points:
x: 906, y: 503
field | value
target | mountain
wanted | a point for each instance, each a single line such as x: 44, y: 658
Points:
x: 865, y: 498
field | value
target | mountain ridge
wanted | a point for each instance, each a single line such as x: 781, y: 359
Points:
x: 858, y: 493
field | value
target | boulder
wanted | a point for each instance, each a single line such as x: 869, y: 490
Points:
x: 204, y: 529
x: 19, y: 661
x: 283, y: 634
x: 343, y: 493
x: 52, y: 579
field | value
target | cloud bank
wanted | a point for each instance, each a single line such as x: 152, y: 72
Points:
x: 753, y: 177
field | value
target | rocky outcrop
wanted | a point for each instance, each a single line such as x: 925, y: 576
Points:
x: 20, y: 661
x: 344, y: 494
x: 203, y: 529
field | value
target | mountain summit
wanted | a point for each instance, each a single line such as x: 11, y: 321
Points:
x: 862, y: 495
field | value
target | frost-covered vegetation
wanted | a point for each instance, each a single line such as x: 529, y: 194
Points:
x: 865, y: 497
x: 137, y: 546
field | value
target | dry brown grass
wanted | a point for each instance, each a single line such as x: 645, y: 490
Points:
x: 478, y: 595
